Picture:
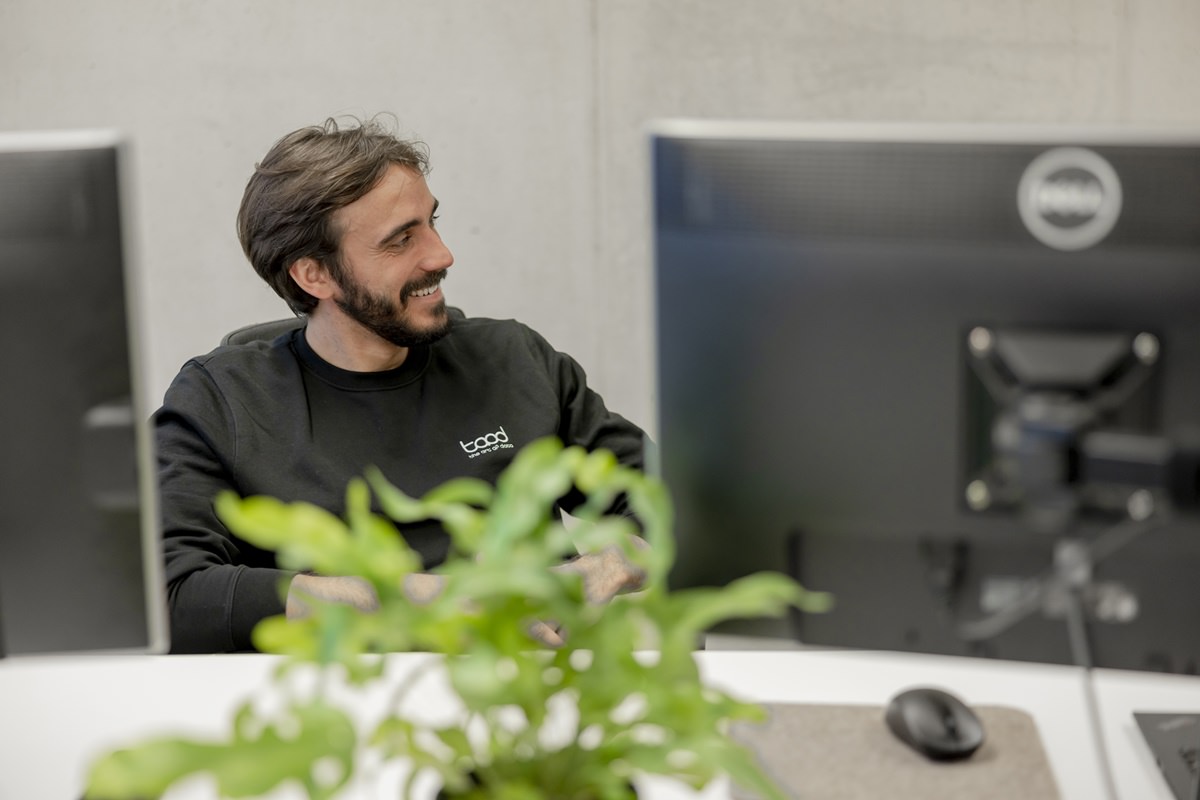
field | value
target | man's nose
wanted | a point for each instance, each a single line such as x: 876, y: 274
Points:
x: 439, y: 256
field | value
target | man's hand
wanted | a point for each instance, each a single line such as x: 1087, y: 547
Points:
x: 421, y: 588
x: 355, y: 592
x: 607, y: 573
x: 547, y: 633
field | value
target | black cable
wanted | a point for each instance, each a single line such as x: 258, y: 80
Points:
x: 1082, y: 653
x: 1072, y: 579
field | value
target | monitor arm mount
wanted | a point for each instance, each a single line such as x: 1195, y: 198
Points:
x: 1065, y: 439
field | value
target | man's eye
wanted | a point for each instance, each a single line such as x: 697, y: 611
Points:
x: 433, y: 220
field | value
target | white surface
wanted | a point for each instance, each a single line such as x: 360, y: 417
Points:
x: 58, y: 714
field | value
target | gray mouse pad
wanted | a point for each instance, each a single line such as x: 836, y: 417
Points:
x: 829, y: 752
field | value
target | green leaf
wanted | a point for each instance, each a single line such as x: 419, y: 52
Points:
x: 304, y: 535
x: 651, y: 504
x: 466, y: 527
x: 596, y: 471
x: 759, y: 595
x: 517, y: 790
x: 456, y: 739
x: 591, y: 537
x: 395, y: 503
x: 455, y: 503
x: 521, y: 575
x: 464, y: 491
x: 382, y: 555
x: 286, y: 637
x: 312, y: 745
x: 147, y: 770
x: 476, y: 680
x: 396, y: 737
x: 527, y: 490
x: 742, y: 766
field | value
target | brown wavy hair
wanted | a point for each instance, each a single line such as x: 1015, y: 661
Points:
x: 287, y: 209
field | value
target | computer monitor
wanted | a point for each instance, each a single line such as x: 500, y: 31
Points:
x: 79, y: 555
x: 948, y: 374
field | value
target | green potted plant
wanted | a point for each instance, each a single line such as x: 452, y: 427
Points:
x: 621, y: 697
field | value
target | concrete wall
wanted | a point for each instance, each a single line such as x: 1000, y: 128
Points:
x: 535, y: 112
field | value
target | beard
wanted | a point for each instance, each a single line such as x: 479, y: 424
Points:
x: 387, y: 318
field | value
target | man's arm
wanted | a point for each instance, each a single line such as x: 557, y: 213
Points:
x: 586, y: 421
x: 217, y: 589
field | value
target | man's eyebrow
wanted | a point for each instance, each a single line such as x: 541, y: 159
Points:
x: 404, y: 227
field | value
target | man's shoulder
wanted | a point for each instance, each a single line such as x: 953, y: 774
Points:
x: 489, y: 326
x: 489, y: 332
x: 255, y: 356
x: 496, y: 340
x: 242, y: 367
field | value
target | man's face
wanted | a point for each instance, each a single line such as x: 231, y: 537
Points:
x: 394, y: 261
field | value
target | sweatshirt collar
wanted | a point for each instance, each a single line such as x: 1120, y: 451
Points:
x: 412, y: 368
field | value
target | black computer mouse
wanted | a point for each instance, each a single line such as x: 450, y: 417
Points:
x: 935, y: 723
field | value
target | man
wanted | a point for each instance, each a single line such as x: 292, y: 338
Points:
x: 342, y: 225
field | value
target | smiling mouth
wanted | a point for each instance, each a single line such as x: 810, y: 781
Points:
x: 434, y: 284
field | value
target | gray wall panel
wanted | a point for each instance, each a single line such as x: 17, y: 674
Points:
x: 535, y: 112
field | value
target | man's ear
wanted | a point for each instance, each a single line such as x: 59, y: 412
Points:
x: 312, y: 277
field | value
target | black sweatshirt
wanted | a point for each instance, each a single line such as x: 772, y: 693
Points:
x: 275, y: 419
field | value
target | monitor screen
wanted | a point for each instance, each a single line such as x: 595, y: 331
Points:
x: 79, y: 557
x: 949, y: 374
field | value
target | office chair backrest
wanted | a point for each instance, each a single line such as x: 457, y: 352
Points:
x: 263, y: 331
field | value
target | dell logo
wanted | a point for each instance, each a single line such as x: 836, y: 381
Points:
x: 1069, y: 198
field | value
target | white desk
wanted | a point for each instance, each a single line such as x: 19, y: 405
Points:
x: 56, y: 714
x: 1122, y: 693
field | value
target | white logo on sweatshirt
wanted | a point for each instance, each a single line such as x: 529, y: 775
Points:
x: 487, y: 443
